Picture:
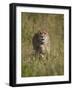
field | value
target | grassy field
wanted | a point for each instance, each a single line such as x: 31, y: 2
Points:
x: 35, y: 66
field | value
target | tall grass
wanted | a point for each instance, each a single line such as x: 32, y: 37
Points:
x: 33, y: 65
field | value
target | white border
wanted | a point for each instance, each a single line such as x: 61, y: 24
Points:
x: 65, y: 77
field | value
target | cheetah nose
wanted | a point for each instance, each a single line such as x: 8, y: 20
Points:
x: 42, y: 39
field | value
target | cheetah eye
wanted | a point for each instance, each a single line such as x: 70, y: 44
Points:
x: 44, y: 32
x: 40, y: 33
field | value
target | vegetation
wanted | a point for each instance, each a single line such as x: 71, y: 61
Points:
x: 33, y: 65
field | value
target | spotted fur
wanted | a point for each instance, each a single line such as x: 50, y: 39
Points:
x: 41, y: 43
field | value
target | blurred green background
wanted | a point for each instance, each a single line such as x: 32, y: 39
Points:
x: 54, y: 64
